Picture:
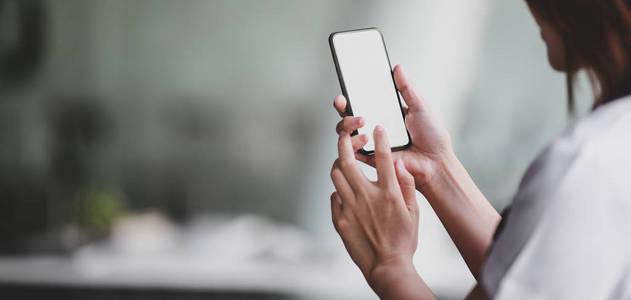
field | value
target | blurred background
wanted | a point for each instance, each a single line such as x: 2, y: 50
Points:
x: 181, y: 149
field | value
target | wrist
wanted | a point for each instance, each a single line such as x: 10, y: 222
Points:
x: 397, y: 279
x: 447, y: 178
x: 389, y: 270
x: 437, y: 172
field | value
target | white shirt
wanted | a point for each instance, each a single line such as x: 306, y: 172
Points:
x: 568, y: 232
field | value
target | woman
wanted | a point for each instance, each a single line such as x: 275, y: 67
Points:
x: 568, y: 232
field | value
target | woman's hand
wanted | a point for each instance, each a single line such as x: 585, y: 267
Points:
x: 461, y: 207
x: 378, y: 221
x: 431, y: 144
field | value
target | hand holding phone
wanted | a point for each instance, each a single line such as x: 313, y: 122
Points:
x: 367, y: 82
x: 430, y: 144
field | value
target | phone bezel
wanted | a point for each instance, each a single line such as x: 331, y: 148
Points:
x: 349, y: 110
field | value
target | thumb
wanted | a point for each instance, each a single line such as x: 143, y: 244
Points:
x: 406, y: 183
x: 407, y: 90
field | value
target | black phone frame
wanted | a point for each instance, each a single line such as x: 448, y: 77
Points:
x: 349, y: 110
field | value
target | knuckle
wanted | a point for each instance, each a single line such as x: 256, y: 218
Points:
x: 346, y: 163
x: 341, y: 225
x: 414, y: 108
x: 423, y: 177
x: 380, y: 153
x: 404, y: 87
x: 391, y: 194
x: 333, y: 169
x: 334, y: 176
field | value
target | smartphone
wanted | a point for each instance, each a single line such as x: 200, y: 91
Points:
x: 367, y: 81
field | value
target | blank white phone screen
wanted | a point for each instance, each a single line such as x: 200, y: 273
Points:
x: 365, y: 70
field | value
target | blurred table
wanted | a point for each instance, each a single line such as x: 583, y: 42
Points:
x: 64, y: 277
x: 245, y: 257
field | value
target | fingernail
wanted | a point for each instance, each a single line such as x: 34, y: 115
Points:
x: 400, y: 164
x: 378, y: 128
x: 359, y: 121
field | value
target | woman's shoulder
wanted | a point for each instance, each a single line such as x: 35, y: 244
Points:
x: 608, y: 123
x: 600, y: 137
x: 587, y: 169
x: 577, y: 193
x: 599, y: 143
x: 595, y: 151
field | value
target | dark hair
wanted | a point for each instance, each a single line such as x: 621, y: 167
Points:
x: 597, y: 38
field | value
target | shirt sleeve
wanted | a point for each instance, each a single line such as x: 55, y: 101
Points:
x: 568, y: 237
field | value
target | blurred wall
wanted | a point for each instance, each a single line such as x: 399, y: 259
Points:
x: 225, y: 107
x: 188, y: 107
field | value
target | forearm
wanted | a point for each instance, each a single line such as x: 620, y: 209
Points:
x: 468, y: 217
x: 399, y: 281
